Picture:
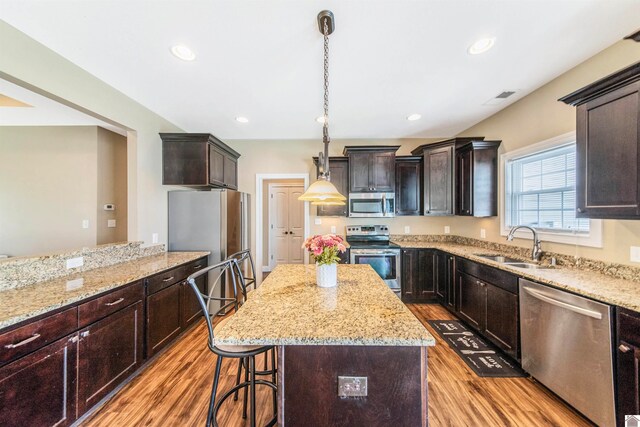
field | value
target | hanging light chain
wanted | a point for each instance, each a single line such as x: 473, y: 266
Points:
x: 325, y: 172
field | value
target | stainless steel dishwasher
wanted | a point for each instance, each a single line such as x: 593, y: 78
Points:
x: 566, y: 345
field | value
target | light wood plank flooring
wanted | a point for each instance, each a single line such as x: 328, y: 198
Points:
x: 174, y: 391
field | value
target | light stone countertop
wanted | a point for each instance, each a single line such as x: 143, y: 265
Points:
x: 290, y: 309
x: 30, y: 301
x: 598, y: 286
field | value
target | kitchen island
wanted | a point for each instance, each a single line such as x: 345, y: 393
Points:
x: 357, y: 329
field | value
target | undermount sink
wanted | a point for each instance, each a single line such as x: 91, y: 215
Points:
x: 527, y: 265
x: 499, y: 258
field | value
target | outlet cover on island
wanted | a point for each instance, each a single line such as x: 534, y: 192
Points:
x: 407, y: 229
x: 634, y: 254
x: 111, y: 223
x: 447, y: 229
x: 154, y: 238
x: 75, y: 262
x: 483, y: 233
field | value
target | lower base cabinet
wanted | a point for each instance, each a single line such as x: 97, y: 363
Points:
x: 39, y: 389
x: 108, y: 352
x: 163, y: 317
x: 628, y: 363
x: 419, y: 275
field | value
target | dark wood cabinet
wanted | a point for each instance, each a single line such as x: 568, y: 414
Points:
x: 444, y: 284
x: 163, y: 318
x: 628, y: 363
x: 39, y: 389
x: 419, y: 275
x: 408, y: 185
x: 108, y: 352
x: 608, y: 146
x: 339, y: 167
x: 190, y: 310
x: 477, y: 179
x: 450, y: 284
x: 198, y: 160
x: 438, y: 180
x: 371, y: 168
x: 488, y: 301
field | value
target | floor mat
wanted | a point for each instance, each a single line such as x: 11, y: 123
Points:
x: 483, y: 358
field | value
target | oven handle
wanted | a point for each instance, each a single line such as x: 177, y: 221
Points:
x: 384, y: 205
x: 375, y: 251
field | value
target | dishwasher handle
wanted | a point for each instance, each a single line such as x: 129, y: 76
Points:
x: 541, y: 296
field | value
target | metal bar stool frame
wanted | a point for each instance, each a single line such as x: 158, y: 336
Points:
x: 229, y: 266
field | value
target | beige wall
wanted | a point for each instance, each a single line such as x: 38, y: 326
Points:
x: 112, y: 187
x: 539, y: 116
x: 48, y: 182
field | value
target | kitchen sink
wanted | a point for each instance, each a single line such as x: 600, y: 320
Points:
x: 527, y: 265
x: 499, y: 258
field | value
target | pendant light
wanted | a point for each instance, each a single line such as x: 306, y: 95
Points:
x: 323, y: 192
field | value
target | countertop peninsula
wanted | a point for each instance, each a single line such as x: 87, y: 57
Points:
x: 290, y: 309
x: 29, y: 301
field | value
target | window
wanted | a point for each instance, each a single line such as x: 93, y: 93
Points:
x: 538, y: 189
x: 542, y: 191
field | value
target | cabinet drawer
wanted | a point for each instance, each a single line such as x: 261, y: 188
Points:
x: 101, y: 307
x: 165, y: 279
x: 499, y: 278
x: 193, y: 267
x: 629, y: 326
x: 28, y: 338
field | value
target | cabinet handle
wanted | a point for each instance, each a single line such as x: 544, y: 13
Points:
x: 84, y: 334
x: 167, y: 279
x: 624, y: 349
x: 23, y: 342
x: 197, y: 267
x: 116, y: 302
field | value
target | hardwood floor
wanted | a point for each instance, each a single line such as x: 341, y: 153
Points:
x: 174, y: 391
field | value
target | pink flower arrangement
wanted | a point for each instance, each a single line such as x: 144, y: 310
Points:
x: 324, y: 249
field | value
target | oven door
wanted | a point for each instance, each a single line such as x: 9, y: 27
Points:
x: 372, y: 205
x: 386, y: 262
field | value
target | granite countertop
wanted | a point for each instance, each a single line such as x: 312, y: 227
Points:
x: 598, y: 286
x: 290, y: 309
x: 32, y: 300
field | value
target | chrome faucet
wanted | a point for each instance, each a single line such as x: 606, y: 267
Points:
x: 536, y: 252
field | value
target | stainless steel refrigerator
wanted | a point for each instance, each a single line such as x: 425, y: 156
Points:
x: 217, y: 221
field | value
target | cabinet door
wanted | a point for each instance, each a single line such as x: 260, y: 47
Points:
x: 39, y: 389
x: 359, y: 181
x: 607, y: 155
x: 473, y: 300
x: 108, y: 352
x: 216, y: 166
x: 163, y: 318
x: 340, y: 178
x: 382, y: 172
x: 438, y: 181
x: 408, y: 188
x: 230, y: 173
x: 628, y: 380
x: 427, y: 274
x: 409, y: 282
x: 442, y: 276
x: 502, y: 319
x: 450, y: 284
x: 464, y: 182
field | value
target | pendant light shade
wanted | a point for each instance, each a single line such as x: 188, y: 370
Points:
x: 323, y: 192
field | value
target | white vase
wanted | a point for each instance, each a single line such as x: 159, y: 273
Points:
x: 327, y: 275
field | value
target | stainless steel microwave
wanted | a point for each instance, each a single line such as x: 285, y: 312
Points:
x: 372, y: 205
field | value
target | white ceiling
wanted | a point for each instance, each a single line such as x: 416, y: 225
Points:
x: 263, y: 59
x: 43, y: 111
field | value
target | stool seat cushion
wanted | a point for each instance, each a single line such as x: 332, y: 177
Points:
x: 232, y: 348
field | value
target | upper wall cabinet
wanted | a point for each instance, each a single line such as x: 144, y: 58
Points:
x: 372, y: 168
x: 408, y: 185
x: 198, y: 160
x: 477, y: 178
x: 608, y: 146
x: 339, y: 168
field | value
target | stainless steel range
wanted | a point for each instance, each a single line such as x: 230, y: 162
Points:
x: 370, y: 245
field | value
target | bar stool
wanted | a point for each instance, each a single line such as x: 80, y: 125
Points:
x: 246, y: 271
x: 243, y: 353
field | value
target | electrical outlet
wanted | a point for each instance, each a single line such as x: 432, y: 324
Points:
x: 634, y: 254
x: 407, y: 229
x: 317, y: 221
x: 75, y: 262
x: 333, y: 229
x: 352, y: 386
x: 154, y: 238
x: 85, y: 223
x: 447, y: 229
x: 483, y: 233
x: 111, y: 223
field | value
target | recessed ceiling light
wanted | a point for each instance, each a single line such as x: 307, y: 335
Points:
x: 320, y: 119
x: 414, y: 116
x: 241, y: 119
x: 481, y: 45
x: 183, y: 52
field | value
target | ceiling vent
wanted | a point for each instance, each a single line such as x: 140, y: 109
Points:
x: 500, y: 98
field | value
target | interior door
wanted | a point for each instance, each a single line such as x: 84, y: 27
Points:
x: 286, y: 224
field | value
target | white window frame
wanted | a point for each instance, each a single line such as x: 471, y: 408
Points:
x: 592, y: 239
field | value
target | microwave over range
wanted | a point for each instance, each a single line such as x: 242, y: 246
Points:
x: 372, y: 205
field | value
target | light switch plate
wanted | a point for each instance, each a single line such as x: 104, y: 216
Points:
x: 333, y: 229
x: 85, y: 223
x: 634, y: 254
x: 317, y: 221
x: 111, y: 223
x: 447, y: 229
x: 352, y: 386
x: 483, y: 233
x: 407, y: 229
x: 75, y: 262
x: 154, y: 238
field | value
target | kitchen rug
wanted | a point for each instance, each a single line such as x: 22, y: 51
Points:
x: 483, y: 358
